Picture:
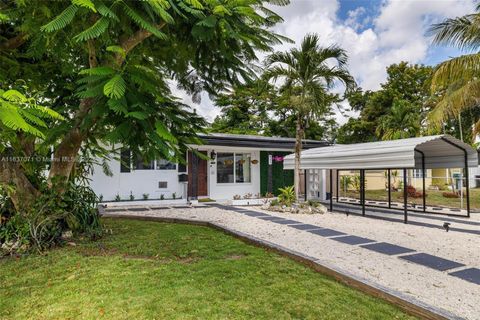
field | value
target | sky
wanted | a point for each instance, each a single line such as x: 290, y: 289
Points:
x: 375, y: 34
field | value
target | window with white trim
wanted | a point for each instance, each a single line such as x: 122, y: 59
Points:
x: 234, y: 167
x: 163, y: 164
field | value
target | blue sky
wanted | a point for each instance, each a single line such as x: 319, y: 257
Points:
x: 375, y: 34
x: 436, y: 54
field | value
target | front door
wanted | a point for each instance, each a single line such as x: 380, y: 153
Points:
x: 198, y: 170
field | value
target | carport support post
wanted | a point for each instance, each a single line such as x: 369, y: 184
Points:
x: 331, y: 190
x: 362, y: 190
x: 389, y: 188
x: 467, y: 183
x: 405, y: 214
x: 305, y: 184
x: 423, y: 184
x: 337, y: 180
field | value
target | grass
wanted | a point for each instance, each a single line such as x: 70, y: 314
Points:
x: 149, y: 270
x: 434, y: 198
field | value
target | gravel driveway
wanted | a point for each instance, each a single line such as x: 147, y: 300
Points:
x: 390, y: 254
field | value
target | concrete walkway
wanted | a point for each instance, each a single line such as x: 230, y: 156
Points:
x: 426, y: 265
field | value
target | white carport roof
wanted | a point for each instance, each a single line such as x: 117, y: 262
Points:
x: 441, y: 151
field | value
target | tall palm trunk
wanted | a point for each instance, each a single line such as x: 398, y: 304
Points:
x: 298, y: 150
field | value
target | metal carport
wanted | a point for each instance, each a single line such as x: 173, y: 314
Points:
x: 430, y: 152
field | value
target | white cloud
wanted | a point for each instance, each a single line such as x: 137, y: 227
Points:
x: 396, y: 34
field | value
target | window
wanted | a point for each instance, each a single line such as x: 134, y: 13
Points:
x: 163, y: 164
x: 225, y: 172
x: 182, y: 167
x: 141, y: 164
x: 233, y: 167
x: 242, y: 167
x: 418, y: 173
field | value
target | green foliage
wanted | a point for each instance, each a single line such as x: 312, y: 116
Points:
x: 397, y: 110
x: 403, y: 121
x: 21, y: 113
x: 145, y: 196
x: 82, y: 214
x: 41, y: 226
x: 455, y: 84
x: 345, y: 182
x: 115, y: 87
x: 287, y: 196
x: 62, y: 20
x: 356, y: 182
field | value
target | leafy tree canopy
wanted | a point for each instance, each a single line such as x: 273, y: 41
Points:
x: 407, y: 88
x: 106, y: 68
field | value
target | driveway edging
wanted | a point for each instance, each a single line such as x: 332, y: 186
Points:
x: 407, y: 304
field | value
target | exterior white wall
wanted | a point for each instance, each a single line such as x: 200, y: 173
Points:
x: 137, y: 181
x: 146, y: 181
x: 226, y: 191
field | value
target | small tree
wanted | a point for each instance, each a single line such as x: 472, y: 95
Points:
x: 307, y: 78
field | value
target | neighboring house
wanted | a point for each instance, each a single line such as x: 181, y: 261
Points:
x: 377, y: 179
x: 236, y: 165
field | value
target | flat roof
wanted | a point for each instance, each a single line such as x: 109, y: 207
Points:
x: 240, y: 140
x: 441, y: 151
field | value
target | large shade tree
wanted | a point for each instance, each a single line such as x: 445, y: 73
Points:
x: 456, y: 81
x: 105, y: 67
x: 307, y: 75
x: 396, y: 110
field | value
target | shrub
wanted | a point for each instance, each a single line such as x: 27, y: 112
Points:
x: 287, y: 196
x: 117, y: 197
x: 248, y: 196
x: 42, y: 225
x: 174, y: 195
x: 132, y: 197
x: 268, y: 195
x: 274, y: 202
x: 450, y: 195
x: 237, y: 197
x: 313, y: 203
x: 145, y: 196
x: 345, y: 182
x: 162, y: 197
x: 356, y: 183
x: 413, y: 193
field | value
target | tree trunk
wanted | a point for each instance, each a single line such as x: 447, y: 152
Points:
x: 65, y: 157
x: 11, y: 174
x: 298, y: 150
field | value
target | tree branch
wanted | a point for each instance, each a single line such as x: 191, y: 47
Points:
x: 134, y: 40
x: 92, y: 54
x: 14, y: 43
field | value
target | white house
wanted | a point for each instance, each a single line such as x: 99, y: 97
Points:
x: 238, y: 165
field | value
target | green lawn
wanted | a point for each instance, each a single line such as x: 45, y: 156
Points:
x: 434, y: 198
x: 149, y: 270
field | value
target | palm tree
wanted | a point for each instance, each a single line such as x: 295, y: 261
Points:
x: 403, y: 121
x: 307, y: 74
x: 457, y: 79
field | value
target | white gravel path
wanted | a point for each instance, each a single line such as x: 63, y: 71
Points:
x: 430, y: 286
